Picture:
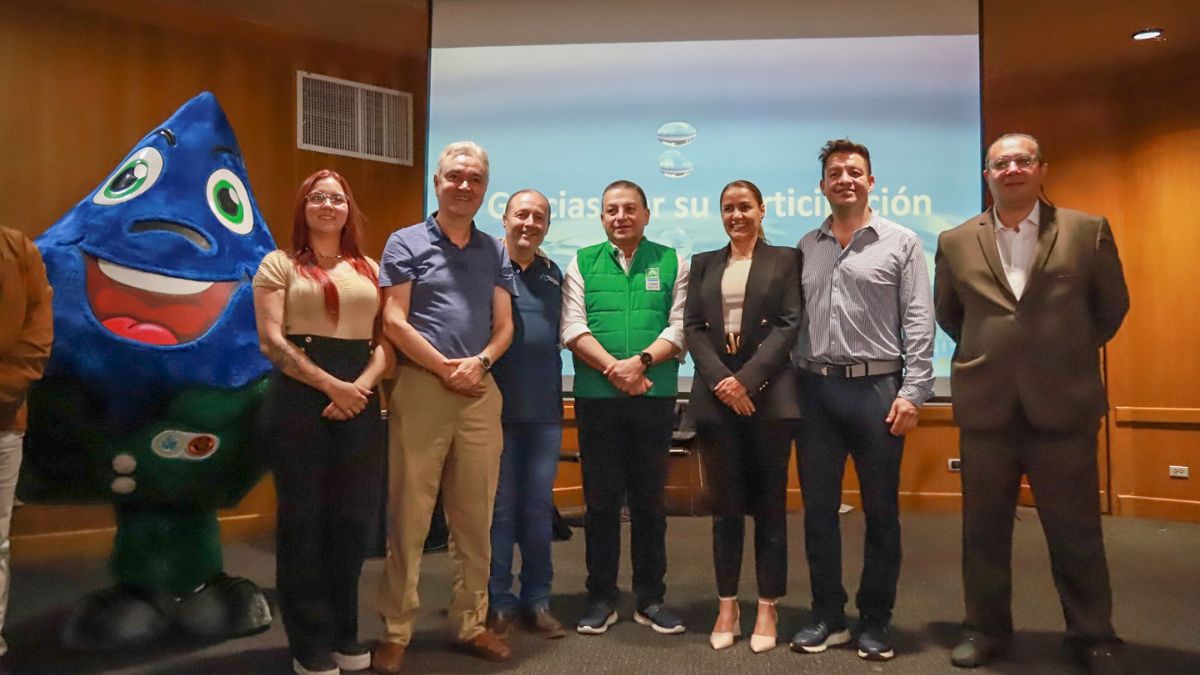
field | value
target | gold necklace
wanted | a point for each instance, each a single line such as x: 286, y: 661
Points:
x: 325, y: 257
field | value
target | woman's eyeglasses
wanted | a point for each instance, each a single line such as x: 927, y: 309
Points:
x: 318, y: 198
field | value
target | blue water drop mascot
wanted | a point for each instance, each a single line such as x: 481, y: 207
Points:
x: 151, y: 395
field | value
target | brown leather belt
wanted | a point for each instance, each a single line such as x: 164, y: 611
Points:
x: 863, y: 369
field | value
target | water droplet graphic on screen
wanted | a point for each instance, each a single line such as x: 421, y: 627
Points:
x: 677, y: 238
x: 676, y: 133
x: 674, y: 164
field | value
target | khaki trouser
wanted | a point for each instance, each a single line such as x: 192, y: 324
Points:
x: 10, y: 464
x: 439, y: 439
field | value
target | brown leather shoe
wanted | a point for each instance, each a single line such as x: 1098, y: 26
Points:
x: 489, y: 646
x: 388, y: 657
x: 500, y: 623
x: 543, y: 624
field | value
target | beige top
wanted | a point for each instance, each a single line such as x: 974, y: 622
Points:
x: 304, y: 305
x: 733, y: 292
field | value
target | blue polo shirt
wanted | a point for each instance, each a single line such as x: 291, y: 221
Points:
x: 530, y: 372
x: 451, y: 303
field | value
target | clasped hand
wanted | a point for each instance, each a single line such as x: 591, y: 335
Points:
x: 733, y: 393
x: 346, y: 400
x: 629, y: 376
x: 464, y: 376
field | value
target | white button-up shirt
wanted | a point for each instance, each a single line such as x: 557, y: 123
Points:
x: 574, y: 312
x: 1018, y: 247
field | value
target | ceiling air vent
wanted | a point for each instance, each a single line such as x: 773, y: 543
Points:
x: 353, y: 119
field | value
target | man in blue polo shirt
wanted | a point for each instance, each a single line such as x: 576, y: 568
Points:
x: 530, y: 377
x: 447, y: 308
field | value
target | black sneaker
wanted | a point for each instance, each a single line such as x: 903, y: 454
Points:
x: 322, y: 664
x: 818, y: 637
x: 660, y: 619
x: 596, y: 618
x: 874, y: 643
x: 352, y: 657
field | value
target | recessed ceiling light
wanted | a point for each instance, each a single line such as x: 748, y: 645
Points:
x: 1147, y: 34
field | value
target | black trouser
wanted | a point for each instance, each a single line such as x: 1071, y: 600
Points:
x: 846, y: 416
x: 623, y: 445
x: 328, y: 492
x: 1062, y: 472
x: 745, y: 463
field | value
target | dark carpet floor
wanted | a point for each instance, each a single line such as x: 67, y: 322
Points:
x: 1156, y: 583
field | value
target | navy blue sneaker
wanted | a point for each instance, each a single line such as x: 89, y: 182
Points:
x: 596, y: 618
x: 874, y: 643
x: 660, y: 619
x: 818, y: 637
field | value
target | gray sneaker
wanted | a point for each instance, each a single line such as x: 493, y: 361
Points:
x: 818, y: 637
x: 596, y: 618
x: 660, y: 619
x: 875, y: 643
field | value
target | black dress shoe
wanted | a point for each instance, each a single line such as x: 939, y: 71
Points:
x: 1103, y: 658
x: 976, y: 649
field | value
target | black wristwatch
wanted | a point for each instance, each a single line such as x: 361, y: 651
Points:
x: 485, y: 362
x: 646, y: 359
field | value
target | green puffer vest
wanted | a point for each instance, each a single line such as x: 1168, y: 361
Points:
x: 624, y: 316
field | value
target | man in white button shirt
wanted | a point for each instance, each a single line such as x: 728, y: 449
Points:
x: 1030, y: 292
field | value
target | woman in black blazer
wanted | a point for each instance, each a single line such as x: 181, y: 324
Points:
x: 741, y: 319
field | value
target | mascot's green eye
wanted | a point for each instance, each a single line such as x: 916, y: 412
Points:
x: 134, y: 177
x: 229, y: 201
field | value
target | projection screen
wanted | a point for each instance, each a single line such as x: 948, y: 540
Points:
x: 683, y: 97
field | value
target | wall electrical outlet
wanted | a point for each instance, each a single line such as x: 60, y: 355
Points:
x: 1177, y: 471
x: 955, y: 464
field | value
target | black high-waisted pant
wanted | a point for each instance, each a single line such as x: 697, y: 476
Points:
x: 328, y: 485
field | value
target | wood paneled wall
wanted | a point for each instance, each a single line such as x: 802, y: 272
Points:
x: 82, y: 85
x: 84, y: 80
x: 1123, y: 141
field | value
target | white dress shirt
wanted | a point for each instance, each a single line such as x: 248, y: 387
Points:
x: 574, y: 313
x: 1018, y: 247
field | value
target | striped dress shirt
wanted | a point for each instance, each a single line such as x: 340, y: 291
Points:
x: 869, y: 301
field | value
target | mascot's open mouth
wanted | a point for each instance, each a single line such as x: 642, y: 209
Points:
x: 153, y: 308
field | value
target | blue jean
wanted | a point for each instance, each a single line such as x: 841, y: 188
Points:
x: 523, y: 515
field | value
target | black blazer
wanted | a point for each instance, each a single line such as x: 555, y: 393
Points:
x: 770, y: 322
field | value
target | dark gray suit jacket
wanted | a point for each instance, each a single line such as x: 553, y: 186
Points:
x: 1038, y: 354
x: 770, y: 321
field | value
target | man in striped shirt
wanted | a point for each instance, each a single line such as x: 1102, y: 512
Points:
x: 865, y: 354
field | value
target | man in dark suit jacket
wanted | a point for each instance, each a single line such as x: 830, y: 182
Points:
x: 1030, y: 292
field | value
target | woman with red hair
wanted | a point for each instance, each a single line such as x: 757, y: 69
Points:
x: 317, y: 308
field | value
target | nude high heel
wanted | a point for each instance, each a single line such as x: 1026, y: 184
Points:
x: 724, y: 640
x: 763, y: 643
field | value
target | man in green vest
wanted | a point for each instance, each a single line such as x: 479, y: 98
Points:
x: 622, y: 317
